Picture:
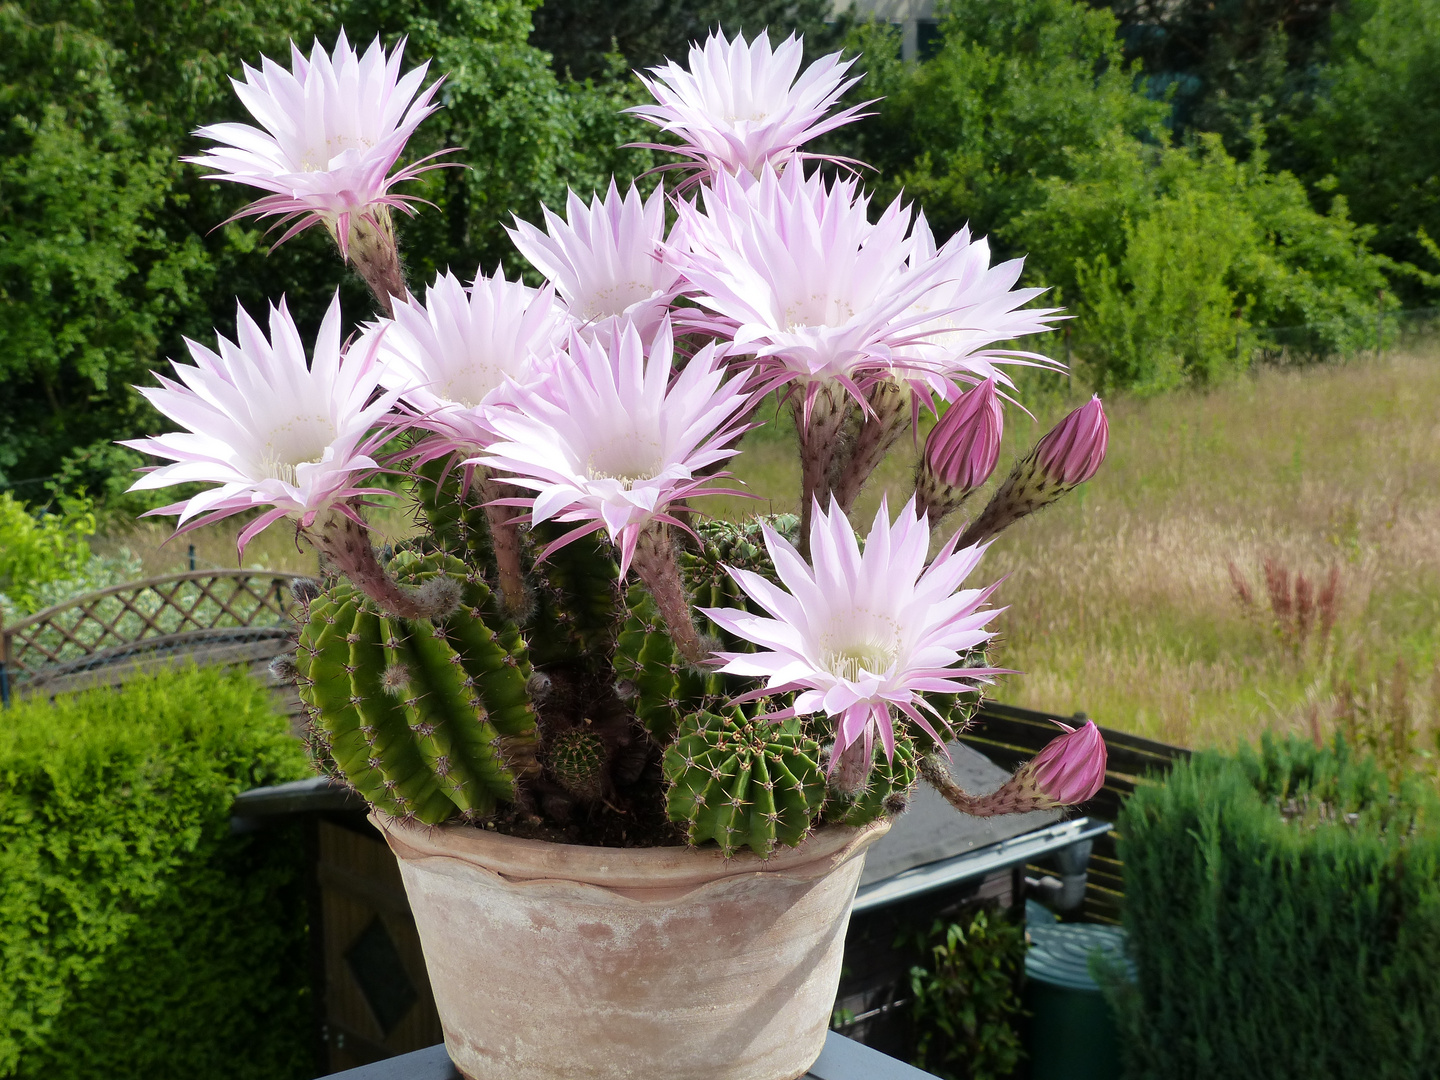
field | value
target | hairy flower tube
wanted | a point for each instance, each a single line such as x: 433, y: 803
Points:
x: 739, y: 107
x: 610, y: 440
x: 605, y: 259
x: 333, y: 128
x: 455, y: 356
x: 862, y: 636
x: 960, y: 452
x: 274, y: 433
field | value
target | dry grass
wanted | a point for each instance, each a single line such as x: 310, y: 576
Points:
x: 1121, y: 600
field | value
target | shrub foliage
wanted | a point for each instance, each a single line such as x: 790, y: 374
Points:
x: 138, y: 937
x: 967, y: 996
x: 1284, y: 911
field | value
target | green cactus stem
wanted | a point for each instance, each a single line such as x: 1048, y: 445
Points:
x: 458, y: 523
x: 654, y: 678
x: 426, y: 717
x: 579, y: 603
x: 743, y: 782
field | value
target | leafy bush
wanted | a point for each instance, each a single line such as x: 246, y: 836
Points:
x: 139, y: 938
x: 1283, y: 907
x: 967, y: 1000
x: 1181, y: 263
x: 1016, y: 88
x: 38, y: 550
x: 108, y: 255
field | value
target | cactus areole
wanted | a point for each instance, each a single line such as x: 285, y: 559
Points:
x: 567, y: 657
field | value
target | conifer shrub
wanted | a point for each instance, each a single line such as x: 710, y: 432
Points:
x: 1283, y: 908
x: 139, y: 938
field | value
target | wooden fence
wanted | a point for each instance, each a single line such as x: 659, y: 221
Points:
x: 1009, y: 735
x: 101, y: 638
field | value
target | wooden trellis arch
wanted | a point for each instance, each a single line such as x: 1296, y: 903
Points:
x: 210, y: 615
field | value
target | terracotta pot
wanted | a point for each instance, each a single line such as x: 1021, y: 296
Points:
x: 557, y: 961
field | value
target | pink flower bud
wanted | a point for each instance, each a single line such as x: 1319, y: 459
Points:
x: 1071, y: 768
x: 1073, y: 450
x: 964, y: 445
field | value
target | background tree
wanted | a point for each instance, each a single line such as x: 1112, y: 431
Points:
x: 589, y: 40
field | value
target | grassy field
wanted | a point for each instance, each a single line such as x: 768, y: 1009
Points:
x: 1123, y: 601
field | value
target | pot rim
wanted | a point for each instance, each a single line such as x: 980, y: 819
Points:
x: 654, y: 868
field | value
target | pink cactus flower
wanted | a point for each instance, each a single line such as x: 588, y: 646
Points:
x: 1070, y: 770
x: 1073, y: 450
x: 963, y: 447
x: 862, y: 637
x: 275, y: 433
x: 610, y: 440
x: 334, y: 126
x: 792, y: 270
x: 455, y: 355
x: 973, y: 308
x: 605, y: 260
x: 740, y: 107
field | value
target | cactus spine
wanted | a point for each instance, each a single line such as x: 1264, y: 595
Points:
x: 887, y: 788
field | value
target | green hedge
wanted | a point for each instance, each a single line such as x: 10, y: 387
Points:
x: 138, y: 937
x: 1284, y: 911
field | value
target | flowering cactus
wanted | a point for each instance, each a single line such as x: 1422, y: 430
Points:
x: 334, y: 127
x: 569, y: 644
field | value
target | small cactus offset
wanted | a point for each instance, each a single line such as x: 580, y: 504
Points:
x: 569, y: 648
x: 579, y: 761
x: 743, y: 782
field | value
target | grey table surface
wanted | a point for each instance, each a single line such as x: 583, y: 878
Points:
x: 842, y: 1059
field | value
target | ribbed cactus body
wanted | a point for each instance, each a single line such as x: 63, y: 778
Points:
x: 426, y: 717
x: 725, y: 544
x: 743, y: 782
x: 578, y: 600
x: 457, y: 521
x: 579, y: 761
x: 886, y: 790
x: 663, y: 687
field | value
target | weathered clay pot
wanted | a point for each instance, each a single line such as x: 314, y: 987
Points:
x: 556, y: 960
